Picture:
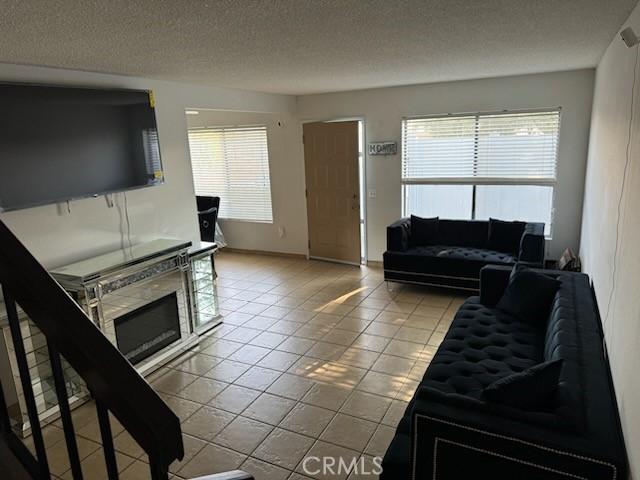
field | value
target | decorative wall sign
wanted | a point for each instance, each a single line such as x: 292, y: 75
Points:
x: 383, y: 148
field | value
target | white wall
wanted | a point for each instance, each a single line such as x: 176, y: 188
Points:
x: 384, y: 108
x: 607, y: 158
x: 56, y: 237
x: 286, y: 170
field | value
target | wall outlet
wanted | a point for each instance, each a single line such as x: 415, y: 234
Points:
x: 281, y: 232
x: 372, y: 193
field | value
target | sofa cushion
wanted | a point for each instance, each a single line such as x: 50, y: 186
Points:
x: 505, y: 236
x: 532, y: 389
x: 463, y: 233
x: 424, y: 231
x: 445, y: 260
x: 483, y: 345
x: 528, y: 295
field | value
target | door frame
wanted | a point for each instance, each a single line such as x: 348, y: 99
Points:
x: 362, y: 177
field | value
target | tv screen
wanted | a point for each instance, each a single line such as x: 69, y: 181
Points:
x: 60, y: 143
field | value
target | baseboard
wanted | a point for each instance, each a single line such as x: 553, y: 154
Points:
x: 264, y: 252
x: 374, y: 263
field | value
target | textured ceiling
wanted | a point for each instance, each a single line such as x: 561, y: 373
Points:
x: 310, y: 46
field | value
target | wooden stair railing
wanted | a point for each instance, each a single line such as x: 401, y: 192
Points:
x: 114, y: 384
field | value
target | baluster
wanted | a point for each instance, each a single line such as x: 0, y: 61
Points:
x: 158, y: 471
x: 65, y: 412
x: 25, y: 380
x: 107, y: 441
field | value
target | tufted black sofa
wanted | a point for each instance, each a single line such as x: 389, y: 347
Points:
x: 449, y: 432
x: 455, y: 258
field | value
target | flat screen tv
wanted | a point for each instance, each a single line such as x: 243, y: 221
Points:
x: 60, y: 143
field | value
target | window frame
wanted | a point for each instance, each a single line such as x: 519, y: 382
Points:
x: 475, y: 182
x: 225, y: 161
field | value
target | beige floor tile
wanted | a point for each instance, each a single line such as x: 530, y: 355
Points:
x: 358, y: 357
x: 429, y: 311
x: 242, y: 334
x: 258, y: 378
x: 250, y: 354
x: 260, y: 323
x: 393, y: 318
x: 341, y: 337
x: 192, y: 446
x: 212, y: 459
x: 337, y: 309
x: 400, y: 307
x: 243, y: 434
x: 382, y: 329
x: 410, y: 334
x: 367, y: 406
x: 227, y: 371
x: 326, y: 396
x: 418, y: 370
x: 269, y: 408
x: 419, y: 321
x: 381, y: 384
x: 278, y: 360
x: 367, y: 468
x: 436, y: 339
x: 285, y: 327
x: 196, y: 363
x: 264, y: 471
x: 312, y: 331
x: 235, y: 318
x: 326, y: 351
x: 310, y: 466
x: 307, y: 420
x: 290, y: 386
x: 235, y: 398
x: 283, y: 448
x: 393, y: 365
x: 173, y: 381
x: 202, y: 390
x: 94, y: 466
x: 207, y: 422
x: 253, y: 308
x: 222, y: 348
x: 353, y: 324
x: 380, y: 441
x: 349, y: 432
x: 125, y: 443
x: 300, y: 316
x: 59, y: 459
x: 407, y: 390
x: 275, y: 312
x: 138, y: 470
x: 374, y: 343
x: 269, y: 339
x: 296, y: 345
x: 405, y: 349
x: 181, y: 407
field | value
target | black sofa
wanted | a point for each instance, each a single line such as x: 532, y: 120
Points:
x: 454, y: 255
x: 449, y: 432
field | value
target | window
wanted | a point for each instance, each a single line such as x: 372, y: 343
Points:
x: 233, y: 163
x: 476, y: 166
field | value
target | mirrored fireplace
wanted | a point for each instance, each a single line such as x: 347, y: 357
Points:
x: 148, y: 329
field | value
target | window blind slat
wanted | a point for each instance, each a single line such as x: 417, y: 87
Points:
x: 233, y: 163
x: 518, y: 146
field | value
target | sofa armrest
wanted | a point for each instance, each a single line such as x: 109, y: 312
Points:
x: 459, y: 441
x: 493, y: 281
x: 532, y: 245
x: 399, y: 235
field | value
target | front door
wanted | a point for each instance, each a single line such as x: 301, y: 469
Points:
x: 333, y: 204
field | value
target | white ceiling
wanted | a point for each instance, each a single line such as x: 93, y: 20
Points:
x: 310, y: 46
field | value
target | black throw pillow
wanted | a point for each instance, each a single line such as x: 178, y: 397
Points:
x: 528, y: 295
x: 424, y: 231
x: 531, y: 389
x: 505, y: 236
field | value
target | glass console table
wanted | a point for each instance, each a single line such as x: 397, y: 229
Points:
x: 205, y: 313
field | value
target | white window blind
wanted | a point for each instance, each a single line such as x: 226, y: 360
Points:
x: 481, y: 148
x: 233, y: 164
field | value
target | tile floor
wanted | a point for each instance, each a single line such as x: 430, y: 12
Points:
x: 313, y: 359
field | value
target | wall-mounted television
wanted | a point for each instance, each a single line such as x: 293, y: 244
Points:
x: 60, y: 143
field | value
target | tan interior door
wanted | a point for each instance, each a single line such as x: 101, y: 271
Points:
x: 333, y: 191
